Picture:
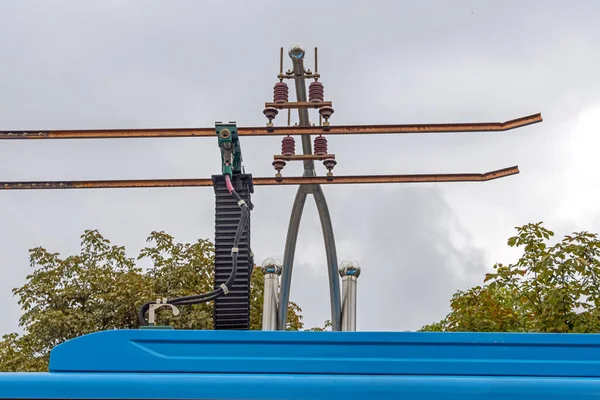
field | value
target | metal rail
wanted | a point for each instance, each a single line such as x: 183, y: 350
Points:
x: 266, y: 181
x: 277, y: 131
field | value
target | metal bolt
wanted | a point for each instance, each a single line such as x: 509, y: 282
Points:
x: 225, y: 133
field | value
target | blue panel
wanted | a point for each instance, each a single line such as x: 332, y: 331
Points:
x: 291, y: 387
x: 356, y: 353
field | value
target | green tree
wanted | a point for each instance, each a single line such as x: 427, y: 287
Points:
x: 551, y: 288
x: 101, y: 288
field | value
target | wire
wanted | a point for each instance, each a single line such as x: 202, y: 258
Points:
x: 225, y: 287
x: 228, y: 184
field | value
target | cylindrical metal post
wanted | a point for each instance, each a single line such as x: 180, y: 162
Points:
x: 349, y: 271
x: 271, y: 271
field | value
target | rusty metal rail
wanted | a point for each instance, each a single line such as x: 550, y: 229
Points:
x: 268, y: 181
x: 277, y: 131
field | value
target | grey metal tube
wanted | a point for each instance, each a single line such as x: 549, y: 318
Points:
x: 349, y: 304
x: 270, y: 300
x: 288, y: 256
x: 349, y: 271
x: 298, y: 64
x: 331, y: 254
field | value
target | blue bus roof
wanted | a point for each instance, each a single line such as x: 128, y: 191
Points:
x: 178, y: 364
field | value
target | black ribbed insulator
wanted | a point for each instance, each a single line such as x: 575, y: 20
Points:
x: 280, y: 92
x: 288, y: 146
x: 316, y: 92
x: 320, y: 145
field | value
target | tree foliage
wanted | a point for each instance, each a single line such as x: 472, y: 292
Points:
x: 551, y: 288
x: 102, y: 288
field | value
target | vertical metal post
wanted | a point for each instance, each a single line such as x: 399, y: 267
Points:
x: 296, y: 53
x: 349, y: 271
x: 271, y: 271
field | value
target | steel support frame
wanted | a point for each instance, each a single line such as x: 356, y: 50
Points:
x: 296, y: 216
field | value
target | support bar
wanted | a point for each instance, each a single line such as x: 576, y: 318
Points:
x: 349, y: 271
x: 271, y: 272
x: 296, y: 180
x: 277, y: 131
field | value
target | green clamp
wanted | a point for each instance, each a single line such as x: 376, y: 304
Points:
x: 231, y: 152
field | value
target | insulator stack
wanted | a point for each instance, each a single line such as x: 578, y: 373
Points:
x: 280, y: 92
x: 320, y: 145
x: 288, y: 146
x: 316, y: 92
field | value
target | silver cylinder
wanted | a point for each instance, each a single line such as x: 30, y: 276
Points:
x: 271, y: 271
x: 349, y: 271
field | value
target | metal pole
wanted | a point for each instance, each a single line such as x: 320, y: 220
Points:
x: 296, y: 53
x: 271, y: 271
x: 330, y: 253
x: 288, y: 255
x: 349, y: 271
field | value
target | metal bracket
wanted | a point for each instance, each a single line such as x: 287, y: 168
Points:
x: 231, y: 152
x: 160, y: 303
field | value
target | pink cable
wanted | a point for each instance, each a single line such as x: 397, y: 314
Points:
x: 228, y: 184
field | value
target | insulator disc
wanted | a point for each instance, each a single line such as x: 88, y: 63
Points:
x: 326, y: 111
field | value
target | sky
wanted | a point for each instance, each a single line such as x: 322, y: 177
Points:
x: 157, y: 64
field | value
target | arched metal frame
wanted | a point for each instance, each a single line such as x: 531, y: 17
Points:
x: 296, y: 216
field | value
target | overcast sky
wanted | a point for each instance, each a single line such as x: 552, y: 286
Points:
x: 151, y: 64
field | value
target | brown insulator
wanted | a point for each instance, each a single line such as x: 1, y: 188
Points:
x: 279, y: 164
x: 270, y: 112
x: 280, y: 92
x: 320, y: 145
x: 326, y: 112
x: 288, y: 146
x: 329, y: 163
x: 316, y: 93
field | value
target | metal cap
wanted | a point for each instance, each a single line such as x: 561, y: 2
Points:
x: 296, y: 51
x: 272, y: 265
x: 349, y: 268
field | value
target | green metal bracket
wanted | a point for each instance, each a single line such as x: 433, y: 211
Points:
x: 231, y: 152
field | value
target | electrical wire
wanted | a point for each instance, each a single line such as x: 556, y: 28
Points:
x: 224, y: 288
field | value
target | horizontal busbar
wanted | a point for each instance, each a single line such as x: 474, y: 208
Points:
x: 267, y: 181
x: 276, y: 131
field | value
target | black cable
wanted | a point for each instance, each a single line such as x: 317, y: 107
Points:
x: 206, y: 297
